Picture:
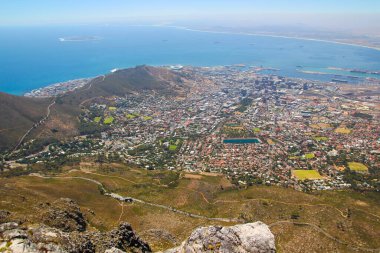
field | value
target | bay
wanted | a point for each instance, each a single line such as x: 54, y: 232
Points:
x: 34, y: 57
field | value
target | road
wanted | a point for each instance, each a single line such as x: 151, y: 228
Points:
x: 117, y: 197
x: 48, y: 111
x: 172, y: 209
x: 89, y: 87
x: 35, y: 125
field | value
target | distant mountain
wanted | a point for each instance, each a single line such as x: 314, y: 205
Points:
x: 19, y: 114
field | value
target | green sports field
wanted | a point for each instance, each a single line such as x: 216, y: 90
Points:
x: 306, y: 174
x: 354, y: 166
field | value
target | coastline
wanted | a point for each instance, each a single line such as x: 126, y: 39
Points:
x: 200, y: 31
x: 266, y: 35
x: 56, y: 89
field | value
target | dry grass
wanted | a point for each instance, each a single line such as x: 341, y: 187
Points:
x: 211, y: 196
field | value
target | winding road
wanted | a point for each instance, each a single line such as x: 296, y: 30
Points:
x: 48, y: 111
x: 118, y: 197
x: 123, y: 199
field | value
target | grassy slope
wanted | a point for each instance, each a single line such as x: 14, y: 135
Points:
x: 18, y: 114
x: 205, y: 196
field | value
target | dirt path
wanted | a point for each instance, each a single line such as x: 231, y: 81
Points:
x: 121, y: 198
x: 248, y: 200
x: 172, y: 209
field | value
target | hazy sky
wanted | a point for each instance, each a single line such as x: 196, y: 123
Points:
x: 346, y: 14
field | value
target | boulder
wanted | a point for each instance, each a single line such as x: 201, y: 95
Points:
x: 246, y: 238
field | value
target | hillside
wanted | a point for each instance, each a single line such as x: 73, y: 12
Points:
x: 21, y: 112
x: 129, y: 81
x: 18, y: 114
x: 327, y: 221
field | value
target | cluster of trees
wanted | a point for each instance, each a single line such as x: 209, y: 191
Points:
x: 35, y: 146
x: 244, y: 104
x: 91, y: 128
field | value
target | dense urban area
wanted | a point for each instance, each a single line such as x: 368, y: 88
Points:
x: 254, y: 128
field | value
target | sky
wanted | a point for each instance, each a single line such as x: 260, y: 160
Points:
x: 348, y: 14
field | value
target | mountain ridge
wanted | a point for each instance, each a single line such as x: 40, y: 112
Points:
x: 23, y: 112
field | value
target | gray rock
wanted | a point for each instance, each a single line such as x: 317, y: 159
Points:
x: 114, y: 250
x: 246, y: 238
x: 63, y: 214
x: 14, y: 234
x: 123, y: 238
x: 8, y: 226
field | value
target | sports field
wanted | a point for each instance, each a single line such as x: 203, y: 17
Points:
x: 306, y: 174
x: 309, y: 156
x: 357, y: 167
x: 342, y: 130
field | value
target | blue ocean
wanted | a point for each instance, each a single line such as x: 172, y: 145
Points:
x: 33, y: 57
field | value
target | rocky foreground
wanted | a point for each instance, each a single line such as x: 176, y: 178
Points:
x: 246, y: 238
x: 63, y: 230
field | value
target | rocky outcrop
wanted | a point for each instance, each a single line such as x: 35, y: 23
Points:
x: 16, y: 239
x: 123, y: 238
x: 63, y: 214
x: 246, y: 238
x: 43, y: 239
x: 65, y: 235
x: 63, y: 230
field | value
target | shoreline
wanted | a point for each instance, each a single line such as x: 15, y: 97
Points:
x: 214, y: 32
x: 59, y: 88
x: 267, y: 35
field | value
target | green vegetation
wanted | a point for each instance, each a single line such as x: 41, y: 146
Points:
x: 147, y: 118
x: 97, y: 119
x: 256, y: 130
x: 363, y: 115
x: 244, y: 104
x: 355, y: 166
x: 237, y: 131
x: 172, y: 147
x: 140, y: 149
x: 309, y: 156
x: 112, y: 108
x: 90, y: 128
x: 306, y: 174
x: 171, y: 144
x: 35, y: 146
x: 132, y: 115
x: 321, y: 138
x: 109, y: 120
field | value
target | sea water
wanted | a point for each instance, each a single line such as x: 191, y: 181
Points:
x: 33, y: 57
